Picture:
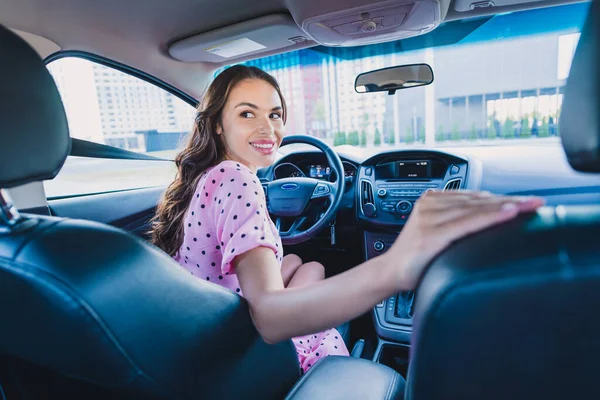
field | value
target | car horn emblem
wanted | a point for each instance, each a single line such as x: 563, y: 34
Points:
x: 289, y: 186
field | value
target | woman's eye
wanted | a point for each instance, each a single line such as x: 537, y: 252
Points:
x: 276, y: 116
x: 247, y: 114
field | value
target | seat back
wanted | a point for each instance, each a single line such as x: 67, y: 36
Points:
x: 510, y: 313
x: 100, y: 308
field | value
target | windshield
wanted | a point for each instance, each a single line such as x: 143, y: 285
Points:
x: 497, y: 81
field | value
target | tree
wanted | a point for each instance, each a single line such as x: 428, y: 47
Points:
x: 545, y: 128
x: 525, y: 128
x: 365, y: 123
x: 339, y: 139
x: 353, y: 138
x: 377, y: 138
x: 439, y: 135
x: 409, y: 138
x: 473, y: 133
x: 456, y: 132
x: 492, y: 133
x: 421, y: 136
x: 366, y: 119
x: 363, y: 139
x: 391, y: 138
x: 508, y: 130
x: 535, y: 129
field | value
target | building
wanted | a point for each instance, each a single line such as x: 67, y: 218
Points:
x: 107, y: 106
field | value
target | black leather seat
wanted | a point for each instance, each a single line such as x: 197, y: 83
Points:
x: 90, y: 311
x: 512, y: 313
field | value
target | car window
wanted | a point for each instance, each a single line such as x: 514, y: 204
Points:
x: 498, y: 81
x: 107, y: 106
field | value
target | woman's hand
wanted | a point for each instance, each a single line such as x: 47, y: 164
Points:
x: 440, y: 218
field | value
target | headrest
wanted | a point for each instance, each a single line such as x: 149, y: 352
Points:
x: 34, y: 136
x: 510, y: 313
x: 580, y: 115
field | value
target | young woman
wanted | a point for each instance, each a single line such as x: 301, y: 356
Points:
x: 213, y: 220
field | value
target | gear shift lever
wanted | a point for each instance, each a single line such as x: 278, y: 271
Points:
x: 404, y: 305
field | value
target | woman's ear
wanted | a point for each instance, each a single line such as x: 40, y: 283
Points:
x: 219, y: 129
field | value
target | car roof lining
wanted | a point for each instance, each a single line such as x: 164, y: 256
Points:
x: 108, y: 29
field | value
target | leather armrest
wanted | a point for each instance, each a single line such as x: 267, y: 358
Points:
x: 348, y: 378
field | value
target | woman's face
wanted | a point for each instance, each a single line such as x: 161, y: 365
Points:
x: 252, y: 123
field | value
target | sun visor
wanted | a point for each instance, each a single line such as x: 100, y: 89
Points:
x: 240, y: 41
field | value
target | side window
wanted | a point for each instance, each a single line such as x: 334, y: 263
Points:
x: 107, y: 106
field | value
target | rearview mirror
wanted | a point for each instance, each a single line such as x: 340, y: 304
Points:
x: 394, y: 78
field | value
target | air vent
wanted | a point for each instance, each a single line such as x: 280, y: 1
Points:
x: 366, y: 193
x: 454, y: 184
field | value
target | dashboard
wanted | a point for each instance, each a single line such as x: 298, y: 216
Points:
x: 314, y: 168
x: 383, y: 186
x: 382, y: 189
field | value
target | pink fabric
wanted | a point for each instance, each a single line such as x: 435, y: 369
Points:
x: 227, y: 217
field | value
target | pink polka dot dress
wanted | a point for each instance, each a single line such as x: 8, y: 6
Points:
x: 227, y: 217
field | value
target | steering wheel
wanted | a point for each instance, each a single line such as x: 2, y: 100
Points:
x: 290, y: 197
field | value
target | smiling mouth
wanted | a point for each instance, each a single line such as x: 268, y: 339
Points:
x: 263, y: 145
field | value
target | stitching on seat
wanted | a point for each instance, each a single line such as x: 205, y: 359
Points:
x: 70, y: 297
x: 388, y: 395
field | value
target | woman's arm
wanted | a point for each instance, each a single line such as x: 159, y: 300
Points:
x: 280, y: 313
x: 438, y: 220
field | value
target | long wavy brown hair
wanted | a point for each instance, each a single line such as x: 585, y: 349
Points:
x: 204, y: 149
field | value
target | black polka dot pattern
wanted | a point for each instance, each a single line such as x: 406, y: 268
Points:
x: 224, y: 221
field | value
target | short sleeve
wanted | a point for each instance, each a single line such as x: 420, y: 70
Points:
x: 241, y: 219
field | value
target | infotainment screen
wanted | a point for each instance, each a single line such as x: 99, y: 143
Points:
x: 414, y: 169
x: 319, y: 171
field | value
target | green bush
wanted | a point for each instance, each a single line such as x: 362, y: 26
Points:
x: 377, y: 138
x: 363, y: 139
x: 421, y: 136
x: 455, y: 135
x: 392, y: 138
x: 353, y: 139
x: 544, y: 130
x: 473, y: 133
x: 491, y: 131
x: 508, y: 130
x: 525, y: 128
x: 439, y: 135
x: 409, y: 137
x: 339, y: 139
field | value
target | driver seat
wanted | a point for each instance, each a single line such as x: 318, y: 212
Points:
x: 93, y: 312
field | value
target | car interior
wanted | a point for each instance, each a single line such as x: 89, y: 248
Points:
x: 92, y: 309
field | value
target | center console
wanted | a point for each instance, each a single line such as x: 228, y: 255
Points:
x: 393, y: 316
x: 388, y: 187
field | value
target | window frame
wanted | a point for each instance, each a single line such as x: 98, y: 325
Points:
x: 106, y: 62
x: 91, y: 150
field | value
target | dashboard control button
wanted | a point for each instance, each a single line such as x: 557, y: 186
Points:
x: 368, y: 171
x: 404, y: 207
x: 381, y: 192
x: 454, y: 170
x: 378, y: 245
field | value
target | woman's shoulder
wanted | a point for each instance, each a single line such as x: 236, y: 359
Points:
x: 230, y: 173
x: 230, y: 169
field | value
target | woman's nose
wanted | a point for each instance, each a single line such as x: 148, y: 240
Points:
x: 266, y: 126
